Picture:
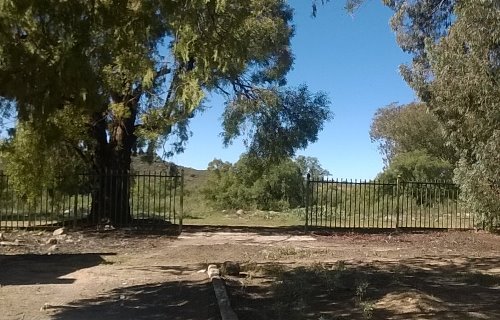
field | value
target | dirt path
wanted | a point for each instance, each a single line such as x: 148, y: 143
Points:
x: 123, y: 275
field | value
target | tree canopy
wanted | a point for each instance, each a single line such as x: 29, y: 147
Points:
x: 86, y: 79
x: 465, y: 95
x: 455, y: 70
x: 278, y: 122
x: 405, y: 128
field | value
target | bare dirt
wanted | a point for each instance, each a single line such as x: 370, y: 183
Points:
x: 129, y: 275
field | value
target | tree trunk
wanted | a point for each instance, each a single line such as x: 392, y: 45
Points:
x: 111, y: 162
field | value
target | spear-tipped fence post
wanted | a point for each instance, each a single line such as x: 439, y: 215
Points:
x: 397, y: 200
x: 181, y: 202
x: 308, y: 181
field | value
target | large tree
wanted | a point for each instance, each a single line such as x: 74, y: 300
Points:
x: 455, y: 70
x: 85, y: 79
x: 465, y: 95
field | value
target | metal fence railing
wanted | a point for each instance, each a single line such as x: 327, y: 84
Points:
x: 377, y: 204
x: 152, y: 196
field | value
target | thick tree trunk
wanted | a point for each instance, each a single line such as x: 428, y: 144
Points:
x: 111, y: 162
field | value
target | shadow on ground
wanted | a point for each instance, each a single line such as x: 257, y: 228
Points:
x: 28, y: 269
x: 422, y: 288
x: 177, y: 300
x: 301, y: 229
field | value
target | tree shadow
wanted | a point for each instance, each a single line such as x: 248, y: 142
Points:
x: 302, y: 230
x: 175, y: 300
x: 28, y: 269
x: 417, y: 288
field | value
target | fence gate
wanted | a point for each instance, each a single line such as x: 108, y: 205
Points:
x: 376, y: 204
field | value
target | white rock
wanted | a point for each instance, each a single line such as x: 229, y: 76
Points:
x: 240, y: 212
x: 52, y: 248
x: 2, y: 238
x: 59, y: 232
x: 213, y: 271
x: 52, y: 241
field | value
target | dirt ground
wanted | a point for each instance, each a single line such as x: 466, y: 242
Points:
x: 128, y: 275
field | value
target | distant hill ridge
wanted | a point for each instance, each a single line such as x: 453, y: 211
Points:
x: 194, y: 179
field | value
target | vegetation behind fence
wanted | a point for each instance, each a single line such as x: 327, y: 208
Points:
x: 152, y: 196
x: 376, y: 204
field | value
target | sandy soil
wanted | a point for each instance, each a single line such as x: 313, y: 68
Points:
x: 128, y: 275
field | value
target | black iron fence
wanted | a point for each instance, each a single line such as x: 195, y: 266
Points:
x: 376, y: 204
x: 148, y: 196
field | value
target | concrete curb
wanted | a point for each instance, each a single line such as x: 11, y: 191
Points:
x: 226, y: 312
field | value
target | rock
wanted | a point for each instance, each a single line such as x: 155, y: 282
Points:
x: 2, y: 238
x: 52, y: 248
x: 213, y: 271
x: 59, y: 232
x: 240, y: 212
x: 52, y: 241
x: 230, y: 268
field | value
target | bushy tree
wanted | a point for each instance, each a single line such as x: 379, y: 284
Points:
x: 465, y: 95
x: 417, y: 165
x: 311, y: 166
x: 123, y: 69
x: 406, y: 128
x: 455, y: 70
x: 254, y: 183
x: 413, y: 143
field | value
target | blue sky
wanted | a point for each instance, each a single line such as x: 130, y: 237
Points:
x: 354, y: 59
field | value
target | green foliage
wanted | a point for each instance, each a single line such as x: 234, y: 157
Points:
x: 280, y: 121
x: 127, y: 70
x: 37, y: 163
x: 311, y: 165
x: 254, y: 183
x: 417, y: 166
x: 248, y: 184
x: 406, y: 128
x: 413, y: 144
x: 417, y: 24
x: 465, y: 95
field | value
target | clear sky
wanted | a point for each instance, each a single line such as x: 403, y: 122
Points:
x: 354, y: 59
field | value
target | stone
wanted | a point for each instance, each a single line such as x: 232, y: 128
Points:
x: 2, y: 238
x: 213, y: 271
x: 52, y: 248
x: 52, y: 241
x: 230, y: 268
x: 59, y: 232
x: 240, y: 212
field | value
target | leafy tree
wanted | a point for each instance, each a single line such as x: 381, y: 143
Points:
x: 312, y: 166
x: 417, y: 165
x: 278, y: 121
x: 455, y: 71
x: 405, y: 128
x: 465, y: 95
x: 120, y: 70
x: 253, y: 183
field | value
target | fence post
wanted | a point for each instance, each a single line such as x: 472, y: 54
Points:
x: 181, y: 202
x: 308, y: 181
x: 75, y: 209
x: 397, y: 200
